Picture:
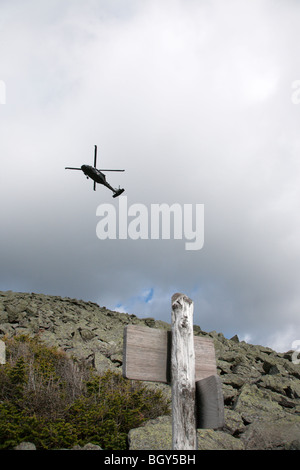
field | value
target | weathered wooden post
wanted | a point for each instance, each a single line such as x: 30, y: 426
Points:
x: 184, y: 435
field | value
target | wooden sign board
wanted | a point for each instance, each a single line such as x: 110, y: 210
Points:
x: 147, y: 355
x: 209, y: 403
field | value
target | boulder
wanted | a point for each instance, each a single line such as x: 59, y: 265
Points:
x: 88, y: 446
x: 25, y: 446
x: 156, y: 434
x: 273, y: 434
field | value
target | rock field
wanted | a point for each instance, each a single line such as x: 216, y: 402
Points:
x: 261, y: 387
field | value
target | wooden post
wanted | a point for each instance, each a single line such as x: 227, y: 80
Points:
x: 183, y: 374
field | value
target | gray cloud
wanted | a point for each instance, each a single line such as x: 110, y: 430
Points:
x: 195, y: 102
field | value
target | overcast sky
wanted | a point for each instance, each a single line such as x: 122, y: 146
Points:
x: 195, y: 100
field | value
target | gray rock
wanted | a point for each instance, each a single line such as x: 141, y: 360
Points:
x: 253, y: 403
x: 217, y: 440
x: 157, y: 435
x: 235, y: 338
x: 25, y: 446
x: 270, y: 434
x: 88, y: 446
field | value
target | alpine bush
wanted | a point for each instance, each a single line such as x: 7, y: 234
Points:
x: 57, y: 402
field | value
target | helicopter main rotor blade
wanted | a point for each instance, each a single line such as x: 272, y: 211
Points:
x: 72, y: 168
x: 95, y: 157
x: 110, y: 170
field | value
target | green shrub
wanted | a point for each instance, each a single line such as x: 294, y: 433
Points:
x: 55, y: 402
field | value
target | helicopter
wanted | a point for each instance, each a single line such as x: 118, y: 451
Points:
x: 97, y: 176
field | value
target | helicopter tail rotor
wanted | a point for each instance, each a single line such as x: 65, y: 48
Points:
x: 118, y: 192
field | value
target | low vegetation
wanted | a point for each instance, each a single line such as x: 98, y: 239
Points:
x: 57, y: 402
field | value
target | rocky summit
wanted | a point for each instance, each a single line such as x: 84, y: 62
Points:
x: 261, y: 387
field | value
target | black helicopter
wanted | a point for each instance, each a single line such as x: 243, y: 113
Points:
x: 97, y: 176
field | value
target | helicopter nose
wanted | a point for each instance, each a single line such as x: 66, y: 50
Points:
x: 85, y: 169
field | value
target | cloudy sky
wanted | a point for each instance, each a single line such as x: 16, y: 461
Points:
x: 198, y: 101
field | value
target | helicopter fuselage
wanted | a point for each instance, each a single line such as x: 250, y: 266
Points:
x: 94, y: 174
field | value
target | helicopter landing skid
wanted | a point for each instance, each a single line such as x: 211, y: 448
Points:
x: 118, y: 192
